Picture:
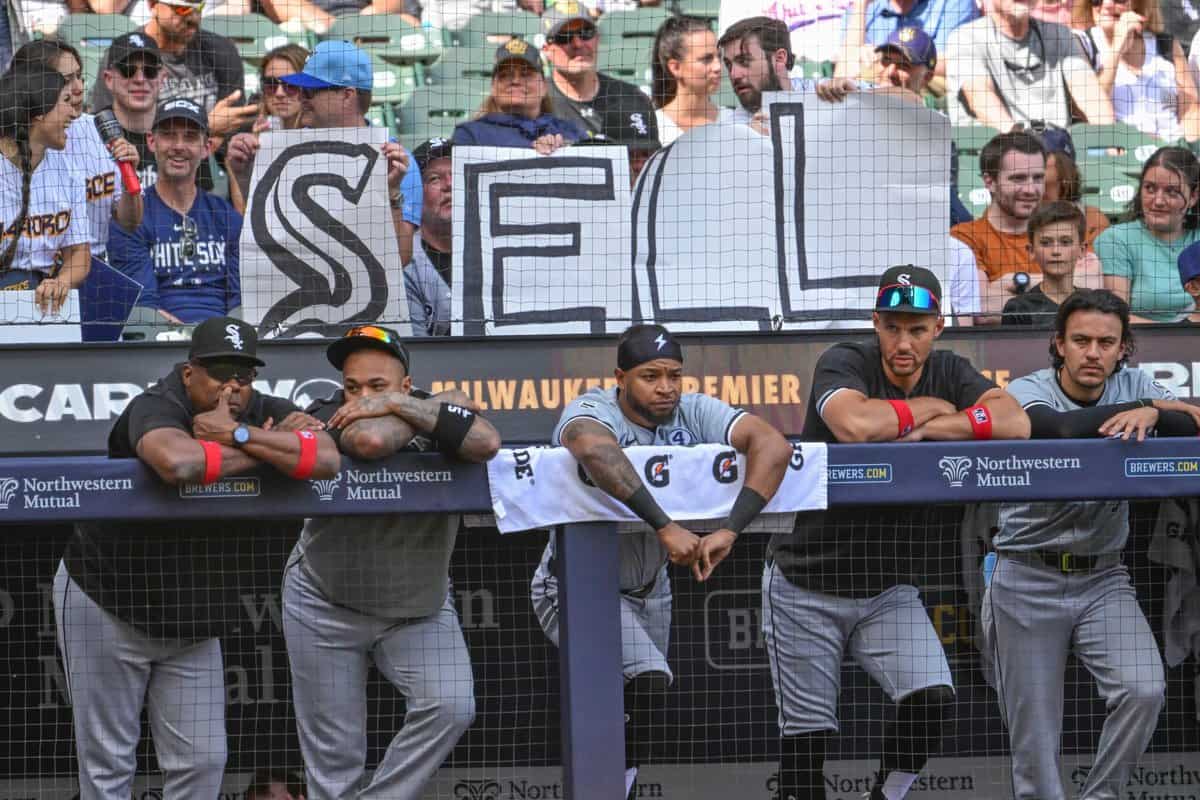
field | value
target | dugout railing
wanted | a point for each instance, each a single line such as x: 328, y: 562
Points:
x: 64, y: 490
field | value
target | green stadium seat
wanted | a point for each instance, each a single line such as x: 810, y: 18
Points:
x: 435, y: 110
x: 1119, y: 144
x: 393, y: 84
x: 486, y: 32
x: 93, y: 31
x: 970, y: 139
x: 641, y: 25
x: 389, y: 37
x: 627, y: 63
x: 471, y: 63
x: 706, y: 9
x: 1110, y: 186
x: 253, y: 34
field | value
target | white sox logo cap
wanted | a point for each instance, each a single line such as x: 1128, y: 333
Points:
x: 225, y: 337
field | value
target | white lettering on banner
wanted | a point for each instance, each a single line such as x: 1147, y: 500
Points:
x: 543, y: 243
x: 690, y: 483
x: 1183, y: 380
x: 319, y: 247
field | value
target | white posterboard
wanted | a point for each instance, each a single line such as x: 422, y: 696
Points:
x: 541, y: 243
x: 318, y: 244
x: 34, y: 326
x: 737, y: 231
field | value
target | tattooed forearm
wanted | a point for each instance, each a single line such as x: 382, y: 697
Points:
x: 609, y: 468
x: 375, y: 437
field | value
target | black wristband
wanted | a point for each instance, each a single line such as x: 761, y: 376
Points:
x: 452, y: 426
x: 747, y: 506
x: 645, y: 506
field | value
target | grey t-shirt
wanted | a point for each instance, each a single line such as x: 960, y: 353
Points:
x: 428, y: 294
x: 1081, y: 528
x: 394, y: 566
x: 1030, y: 76
x: 699, y: 419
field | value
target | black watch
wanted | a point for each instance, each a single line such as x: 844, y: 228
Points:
x: 1021, y: 282
x: 241, y: 435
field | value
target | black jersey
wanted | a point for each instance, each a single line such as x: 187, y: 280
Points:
x: 863, y: 550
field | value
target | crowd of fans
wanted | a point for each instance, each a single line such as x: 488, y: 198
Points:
x: 1034, y: 70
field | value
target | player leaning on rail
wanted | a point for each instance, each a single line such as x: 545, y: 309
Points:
x: 647, y: 407
x: 139, y: 604
x: 1059, y: 585
x: 845, y: 579
x: 376, y: 589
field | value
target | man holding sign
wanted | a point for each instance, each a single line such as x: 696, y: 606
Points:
x: 647, y: 408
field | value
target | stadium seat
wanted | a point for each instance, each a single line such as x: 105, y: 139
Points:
x: 94, y: 31
x: 471, y: 63
x: 393, y: 84
x: 488, y: 31
x: 628, y: 63
x: 389, y: 37
x: 618, y: 27
x: 1109, y: 186
x: 435, y: 110
x: 1119, y: 144
x: 253, y: 34
x: 706, y: 9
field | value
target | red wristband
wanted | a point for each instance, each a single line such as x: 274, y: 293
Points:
x: 981, y: 421
x: 903, y: 416
x: 212, y: 461
x: 308, y: 455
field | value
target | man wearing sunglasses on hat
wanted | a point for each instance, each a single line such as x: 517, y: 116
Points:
x: 580, y: 93
x: 185, y: 253
x: 140, y: 605
x: 200, y: 65
x: 648, y: 407
x: 844, y: 581
x: 375, y: 589
x: 133, y: 77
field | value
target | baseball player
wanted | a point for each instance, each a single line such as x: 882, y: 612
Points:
x: 843, y: 579
x: 376, y: 589
x: 139, y: 604
x: 647, y: 407
x: 1059, y: 585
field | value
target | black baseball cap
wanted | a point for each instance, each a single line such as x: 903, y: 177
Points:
x: 225, y: 337
x: 517, y: 50
x: 909, y: 289
x: 375, y: 337
x: 133, y: 44
x: 432, y: 150
x: 182, y: 108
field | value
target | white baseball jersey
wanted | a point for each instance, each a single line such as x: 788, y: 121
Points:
x: 57, y: 216
x: 101, y: 181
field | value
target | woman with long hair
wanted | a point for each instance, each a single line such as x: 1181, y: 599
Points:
x: 516, y: 112
x: 43, y: 204
x: 1140, y: 66
x: 1140, y: 257
x: 1063, y: 182
x: 685, y: 74
x: 87, y: 152
x: 280, y: 99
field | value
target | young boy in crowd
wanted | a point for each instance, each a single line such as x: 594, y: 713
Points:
x: 1056, y: 243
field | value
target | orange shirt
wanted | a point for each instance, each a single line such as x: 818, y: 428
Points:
x: 996, y: 253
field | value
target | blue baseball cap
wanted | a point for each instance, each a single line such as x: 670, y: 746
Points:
x: 1189, y: 264
x: 914, y: 43
x: 334, y: 64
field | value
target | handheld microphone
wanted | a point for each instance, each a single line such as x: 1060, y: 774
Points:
x: 110, y: 130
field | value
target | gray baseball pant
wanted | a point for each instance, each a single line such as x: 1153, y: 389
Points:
x: 1033, y: 616
x: 330, y: 650
x: 809, y: 633
x: 112, y: 670
x: 645, y: 621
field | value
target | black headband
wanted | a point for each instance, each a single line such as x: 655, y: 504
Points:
x: 647, y: 345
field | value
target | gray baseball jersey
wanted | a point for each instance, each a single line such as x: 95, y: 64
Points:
x: 698, y: 419
x: 1082, y: 528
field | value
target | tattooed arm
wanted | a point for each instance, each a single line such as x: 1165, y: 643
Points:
x: 598, y: 452
x: 379, y: 425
